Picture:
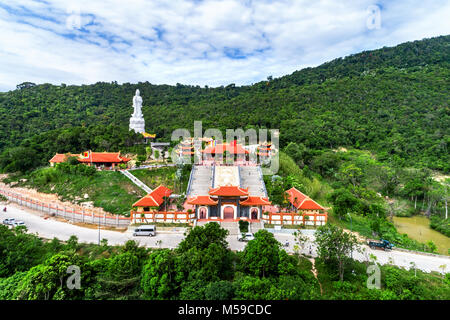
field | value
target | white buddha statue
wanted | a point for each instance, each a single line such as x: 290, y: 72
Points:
x: 137, y: 122
x: 137, y: 105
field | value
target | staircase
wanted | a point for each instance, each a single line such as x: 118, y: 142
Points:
x: 252, y: 179
x: 201, y: 181
x: 254, y: 227
x: 231, y: 226
x: 136, y: 181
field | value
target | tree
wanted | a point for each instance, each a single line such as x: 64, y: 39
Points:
x: 296, y: 152
x: 219, y: 290
x: 19, y: 251
x: 158, y: 275
x: 252, y: 288
x: 243, y: 226
x: 343, y: 201
x: 47, y: 281
x: 201, y: 237
x: 334, y: 246
x: 350, y: 173
x: 263, y: 256
x: 121, y: 278
x: 203, y: 255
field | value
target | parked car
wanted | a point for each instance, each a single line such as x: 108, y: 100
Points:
x: 18, y: 223
x: 9, y: 221
x: 246, y: 236
x: 146, y: 230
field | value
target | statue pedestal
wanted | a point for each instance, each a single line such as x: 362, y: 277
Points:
x: 137, y: 124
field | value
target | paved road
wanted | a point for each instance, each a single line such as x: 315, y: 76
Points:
x: 399, y: 258
x: 50, y: 228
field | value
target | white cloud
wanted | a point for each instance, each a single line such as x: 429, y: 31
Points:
x: 193, y: 42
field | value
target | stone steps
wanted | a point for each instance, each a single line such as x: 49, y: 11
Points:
x: 232, y: 227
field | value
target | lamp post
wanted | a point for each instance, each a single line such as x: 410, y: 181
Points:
x: 166, y: 199
x: 351, y: 222
x: 99, y: 230
x: 351, y: 230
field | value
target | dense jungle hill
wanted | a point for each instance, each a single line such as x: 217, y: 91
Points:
x: 391, y: 101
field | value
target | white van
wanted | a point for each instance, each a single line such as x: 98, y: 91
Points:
x: 146, y: 230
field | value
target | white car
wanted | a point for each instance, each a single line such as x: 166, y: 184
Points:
x: 9, y: 221
x: 246, y: 236
x: 18, y: 223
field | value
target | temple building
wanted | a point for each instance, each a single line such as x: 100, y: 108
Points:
x: 219, y: 152
x: 100, y: 160
x: 154, y: 201
x: 264, y: 150
x: 301, y: 203
x: 62, y: 157
x: 230, y: 191
x: 228, y: 203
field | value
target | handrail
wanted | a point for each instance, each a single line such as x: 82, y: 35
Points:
x: 190, y: 181
x: 239, y: 176
x: 213, y: 169
x: 136, y: 181
x: 262, y: 181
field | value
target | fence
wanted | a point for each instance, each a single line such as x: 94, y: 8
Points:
x: 162, y: 216
x: 70, y: 213
x: 309, y: 219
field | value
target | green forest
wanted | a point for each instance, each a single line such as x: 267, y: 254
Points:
x: 391, y: 101
x: 201, y: 268
x: 363, y: 135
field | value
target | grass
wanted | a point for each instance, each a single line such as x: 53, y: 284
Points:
x: 109, y: 190
x: 396, y: 283
x: 361, y: 225
x: 162, y: 176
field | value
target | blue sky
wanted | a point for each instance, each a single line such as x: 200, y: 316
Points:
x: 197, y: 42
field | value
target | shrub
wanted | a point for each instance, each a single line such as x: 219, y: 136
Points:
x: 243, y: 226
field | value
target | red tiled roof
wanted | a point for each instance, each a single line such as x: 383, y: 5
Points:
x: 113, y: 157
x: 229, y: 147
x: 202, y: 200
x: 255, y: 201
x: 295, y: 197
x: 302, y: 201
x: 228, y: 191
x: 61, y: 157
x: 154, y: 198
x: 310, y: 204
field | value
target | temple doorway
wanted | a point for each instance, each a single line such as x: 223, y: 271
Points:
x: 254, y: 214
x: 202, y: 213
x: 228, y: 213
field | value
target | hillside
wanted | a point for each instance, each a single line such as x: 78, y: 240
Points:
x: 391, y: 101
